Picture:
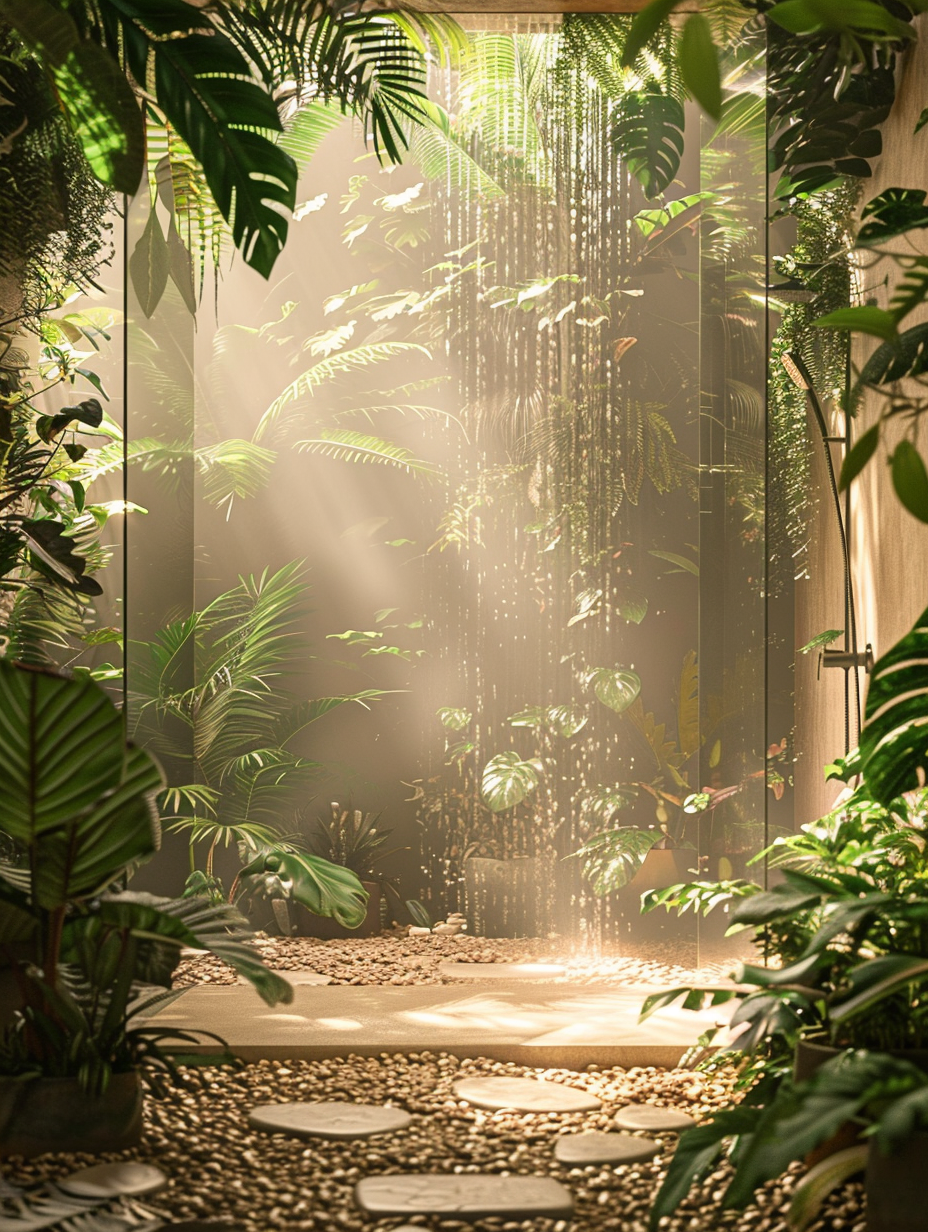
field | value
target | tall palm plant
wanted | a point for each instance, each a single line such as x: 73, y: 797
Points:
x: 233, y: 731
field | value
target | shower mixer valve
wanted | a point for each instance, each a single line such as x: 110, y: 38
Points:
x: 846, y: 659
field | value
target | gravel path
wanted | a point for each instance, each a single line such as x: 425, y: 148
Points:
x: 219, y: 1168
x: 398, y: 959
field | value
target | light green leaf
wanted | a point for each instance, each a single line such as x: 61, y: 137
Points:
x: 615, y: 687
x: 821, y: 639
x: 858, y: 457
x: 508, y: 780
x: 863, y: 320
x: 455, y: 718
x: 150, y: 265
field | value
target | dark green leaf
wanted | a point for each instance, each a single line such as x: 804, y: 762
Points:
x: 908, y: 356
x: 699, y: 65
x: 860, y: 454
x: 150, y: 265
x: 696, y: 1153
x: 643, y: 29
x: 52, y: 548
x: 893, y: 753
x: 894, y: 212
x: 320, y: 886
x: 820, y: 1182
x: 922, y: 121
x: 648, y: 135
x: 910, y: 479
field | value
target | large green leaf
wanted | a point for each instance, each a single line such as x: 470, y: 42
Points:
x: 322, y: 887
x: 191, y: 923
x: 615, y: 687
x: 894, y: 361
x: 150, y: 265
x: 61, y: 749
x: 894, y: 739
x: 699, y: 64
x: 648, y: 134
x: 910, y: 479
x: 92, y: 89
x: 894, y: 212
x: 508, y: 780
x: 86, y: 854
x: 611, y: 859
x: 206, y: 89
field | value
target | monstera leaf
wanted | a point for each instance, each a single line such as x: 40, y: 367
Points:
x: 615, y: 687
x: 508, y: 780
x: 648, y: 134
x: 893, y: 753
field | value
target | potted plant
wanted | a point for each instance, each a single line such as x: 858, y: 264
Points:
x: 86, y: 955
x: 351, y: 839
x: 835, y: 1029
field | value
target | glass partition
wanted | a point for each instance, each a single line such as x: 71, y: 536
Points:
x: 488, y: 453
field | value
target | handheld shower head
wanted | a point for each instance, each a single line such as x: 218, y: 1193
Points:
x: 796, y: 370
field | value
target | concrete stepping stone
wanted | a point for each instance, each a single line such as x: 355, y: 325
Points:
x: 474, y: 1196
x: 595, y: 1147
x: 328, y: 1119
x: 653, y: 1119
x: 120, y: 1180
x: 524, y: 1094
x: 480, y: 972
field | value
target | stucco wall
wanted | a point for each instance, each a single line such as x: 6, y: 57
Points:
x: 889, y: 547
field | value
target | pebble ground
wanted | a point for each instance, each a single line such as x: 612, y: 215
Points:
x: 220, y: 1168
x: 394, y: 958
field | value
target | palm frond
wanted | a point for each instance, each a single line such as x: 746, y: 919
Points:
x: 346, y: 446
x: 327, y: 369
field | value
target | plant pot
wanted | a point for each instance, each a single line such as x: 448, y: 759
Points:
x: 809, y: 1057
x: 54, y: 1114
x: 509, y: 898
x: 327, y: 929
x: 897, y: 1186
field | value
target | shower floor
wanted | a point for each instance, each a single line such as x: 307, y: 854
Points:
x: 397, y: 959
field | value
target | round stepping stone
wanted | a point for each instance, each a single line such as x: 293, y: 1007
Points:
x: 471, y: 1196
x: 479, y: 972
x: 524, y: 1094
x: 127, y: 1180
x: 328, y: 1120
x: 598, y: 1148
x: 650, y: 1117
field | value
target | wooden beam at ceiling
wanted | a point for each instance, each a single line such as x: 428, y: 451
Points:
x: 523, y: 7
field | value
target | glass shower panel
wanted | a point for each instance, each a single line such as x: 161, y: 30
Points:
x: 490, y: 443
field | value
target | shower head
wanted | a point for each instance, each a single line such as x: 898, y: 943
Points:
x: 797, y: 371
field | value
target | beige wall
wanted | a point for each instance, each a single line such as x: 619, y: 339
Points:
x: 889, y: 547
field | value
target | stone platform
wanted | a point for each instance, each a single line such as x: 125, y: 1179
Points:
x: 551, y: 1026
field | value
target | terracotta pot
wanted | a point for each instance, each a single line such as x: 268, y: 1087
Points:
x: 54, y: 1114
x: 897, y: 1187
x: 327, y: 929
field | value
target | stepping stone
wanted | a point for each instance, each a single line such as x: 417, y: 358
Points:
x: 524, y: 1094
x: 471, y: 1196
x: 478, y: 972
x: 328, y: 1120
x: 126, y: 1180
x: 296, y: 978
x: 653, y: 1118
x: 598, y: 1148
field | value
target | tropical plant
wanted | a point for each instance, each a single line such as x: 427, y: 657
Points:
x: 77, y: 809
x: 844, y: 934
x: 211, y: 73
x: 233, y: 727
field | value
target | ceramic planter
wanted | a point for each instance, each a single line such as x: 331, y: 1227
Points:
x: 54, y: 1114
x: 897, y: 1187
